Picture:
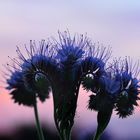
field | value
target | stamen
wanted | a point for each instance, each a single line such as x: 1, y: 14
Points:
x: 31, y: 48
x: 96, y: 70
x: 28, y: 52
x: 14, y: 67
x: 20, y: 55
x: 15, y: 61
x: 128, y: 85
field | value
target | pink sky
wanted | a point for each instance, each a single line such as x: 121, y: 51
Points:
x: 113, y: 23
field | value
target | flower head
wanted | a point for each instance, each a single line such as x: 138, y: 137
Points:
x: 70, y: 50
x: 95, y: 60
x: 94, y: 76
x: 127, y: 98
x: 118, y: 87
x: 69, y: 54
x: 29, y: 77
x: 108, y: 88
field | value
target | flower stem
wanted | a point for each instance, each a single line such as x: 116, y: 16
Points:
x: 103, y: 118
x: 38, y: 126
x: 97, y: 136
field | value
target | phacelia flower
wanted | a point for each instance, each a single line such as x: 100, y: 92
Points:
x: 95, y: 60
x: 69, y: 49
x: 70, y: 52
x: 104, y: 92
x: 127, y: 74
x: 29, y: 79
x: 118, y: 87
x: 94, y: 75
x: 61, y: 67
x: 105, y: 97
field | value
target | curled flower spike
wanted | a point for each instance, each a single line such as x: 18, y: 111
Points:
x: 106, y: 95
x: 116, y: 88
x: 103, y: 100
x: 93, y: 68
x: 127, y: 74
x: 70, y: 52
x: 32, y: 73
x: 61, y: 67
x: 30, y: 78
x: 75, y: 63
x: 95, y: 79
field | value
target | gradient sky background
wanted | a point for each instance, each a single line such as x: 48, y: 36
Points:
x: 114, y: 23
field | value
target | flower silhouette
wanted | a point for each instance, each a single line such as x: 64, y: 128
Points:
x: 29, y: 79
x: 105, y: 97
x: 61, y: 67
x: 127, y: 74
x: 117, y: 88
x: 77, y: 58
x: 65, y: 89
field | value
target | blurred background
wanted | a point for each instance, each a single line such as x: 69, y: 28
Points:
x: 113, y: 23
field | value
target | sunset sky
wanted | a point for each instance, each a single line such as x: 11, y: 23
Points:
x: 113, y: 23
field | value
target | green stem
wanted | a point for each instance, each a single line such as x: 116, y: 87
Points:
x: 66, y: 137
x: 39, y: 129
x: 97, y: 136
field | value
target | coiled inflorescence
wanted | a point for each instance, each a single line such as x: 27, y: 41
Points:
x: 29, y: 78
x: 61, y: 66
x: 117, y: 88
x: 126, y: 73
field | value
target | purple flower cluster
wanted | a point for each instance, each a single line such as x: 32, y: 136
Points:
x: 61, y: 67
x: 117, y: 87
